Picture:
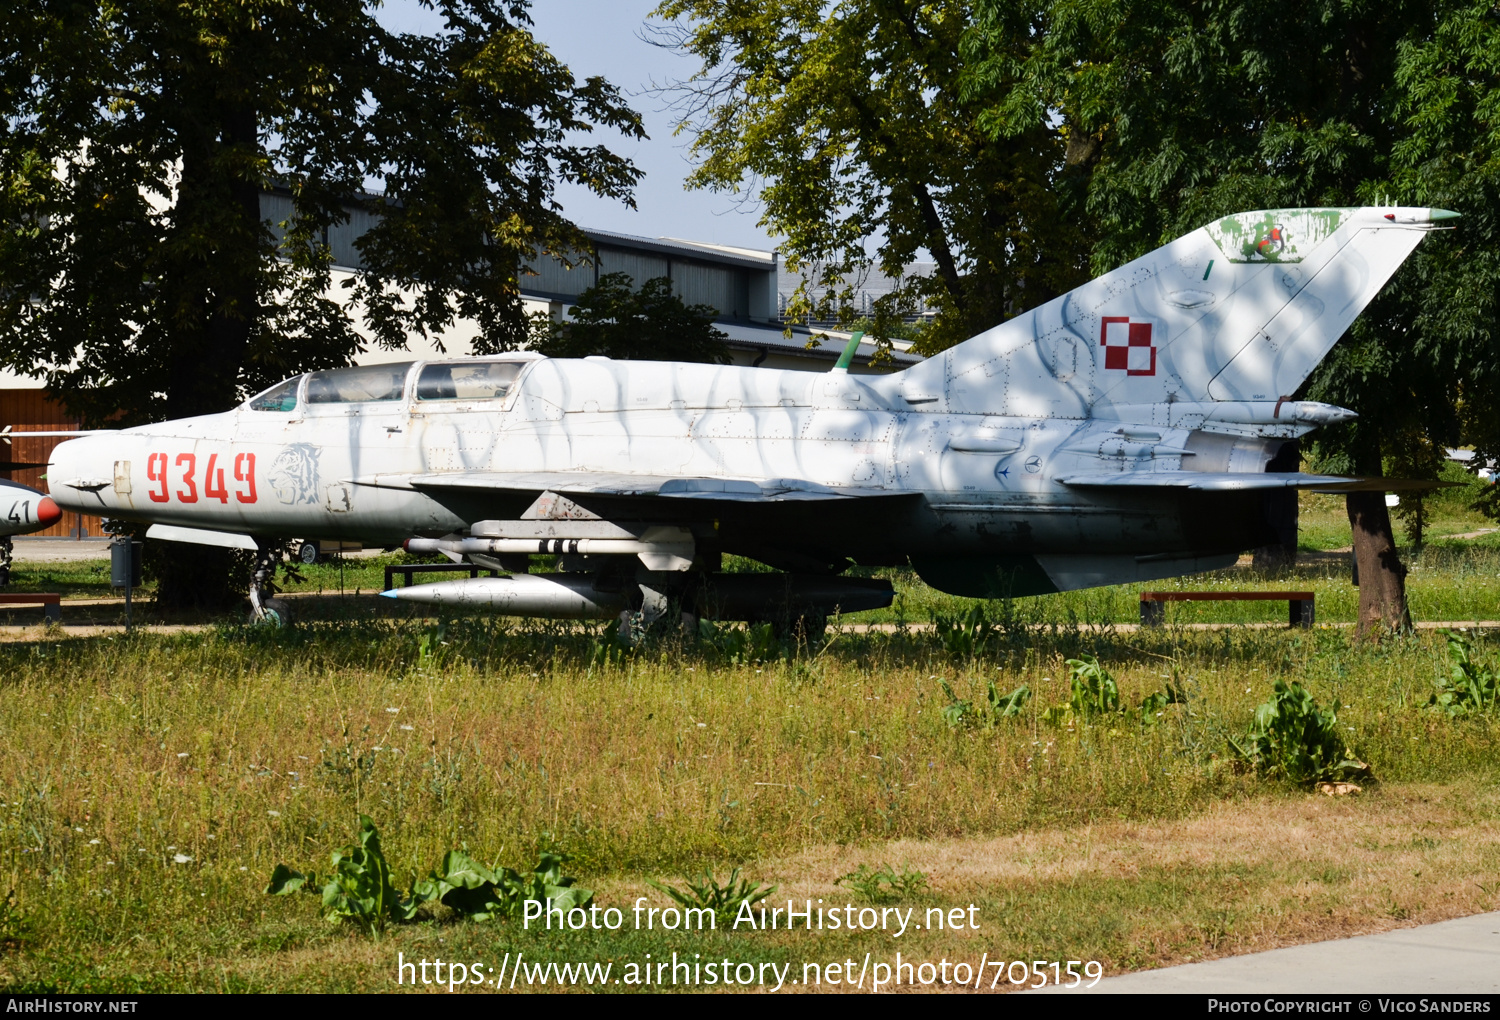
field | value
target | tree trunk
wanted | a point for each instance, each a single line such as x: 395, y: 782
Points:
x: 1382, y: 578
x: 219, y: 199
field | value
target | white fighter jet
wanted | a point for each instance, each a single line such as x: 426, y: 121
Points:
x: 1138, y: 427
x: 22, y: 509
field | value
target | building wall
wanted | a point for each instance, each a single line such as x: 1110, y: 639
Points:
x: 725, y: 288
x: 639, y: 266
x: 30, y: 410
x: 276, y: 208
x: 552, y: 277
x: 699, y: 277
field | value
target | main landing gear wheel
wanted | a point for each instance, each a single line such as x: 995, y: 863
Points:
x: 307, y: 553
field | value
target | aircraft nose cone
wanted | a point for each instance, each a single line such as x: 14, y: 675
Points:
x: 48, y: 513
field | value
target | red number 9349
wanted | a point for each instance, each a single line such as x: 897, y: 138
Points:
x: 184, y: 468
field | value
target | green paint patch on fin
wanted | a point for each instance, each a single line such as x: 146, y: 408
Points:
x: 1274, y: 235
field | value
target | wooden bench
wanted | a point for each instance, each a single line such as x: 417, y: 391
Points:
x: 408, y: 569
x: 51, y: 602
x: 1299, y: 603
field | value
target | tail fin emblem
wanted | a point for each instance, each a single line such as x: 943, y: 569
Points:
x: 1127, y: 345
x: 1272, y: 242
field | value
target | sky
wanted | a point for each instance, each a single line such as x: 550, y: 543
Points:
x: 603, y: 37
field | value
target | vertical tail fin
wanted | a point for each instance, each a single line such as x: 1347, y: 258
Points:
x: 1242, y: 309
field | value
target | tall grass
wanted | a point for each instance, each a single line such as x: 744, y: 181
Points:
x: 149, y: 785
x: 247, y: 747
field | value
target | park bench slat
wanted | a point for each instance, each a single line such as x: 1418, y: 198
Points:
x: 51, y: 602
x: 1225, y: 596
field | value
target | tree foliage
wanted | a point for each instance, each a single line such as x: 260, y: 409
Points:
x: 1198, y: 109
x: 137, y: 273
x: 136, y: 137
x: 1022, y: 143
x: 853, y: 122
x: 649, y: 324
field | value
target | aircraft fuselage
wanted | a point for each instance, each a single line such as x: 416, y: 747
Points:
x: 950, y: 485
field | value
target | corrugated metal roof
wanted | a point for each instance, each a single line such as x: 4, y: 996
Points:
x: 683, y: 249
x: 753, y: 337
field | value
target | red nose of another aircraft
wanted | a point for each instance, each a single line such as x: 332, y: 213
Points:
x: 48, y: 513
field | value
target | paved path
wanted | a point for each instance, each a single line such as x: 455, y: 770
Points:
x: 59, y: 550
x: 1451, y: 957
x: 73, y: 550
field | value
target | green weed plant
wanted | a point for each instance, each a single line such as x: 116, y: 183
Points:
x: 885, y: 884
x: 1471, y: 687
x: 726, y: 900
x: 986, y: 712
x: 359, y: 888
x: 1291, y: 738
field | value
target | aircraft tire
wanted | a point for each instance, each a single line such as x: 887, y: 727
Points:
x: 278, y: 613
x: 308, y: 553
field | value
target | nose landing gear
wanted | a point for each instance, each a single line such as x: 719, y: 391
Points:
x: 271, y: 611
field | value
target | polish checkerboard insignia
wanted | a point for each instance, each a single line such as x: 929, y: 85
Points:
x: 1127, y: 345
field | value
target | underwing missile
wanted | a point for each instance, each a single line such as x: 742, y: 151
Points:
x: 561, y: 596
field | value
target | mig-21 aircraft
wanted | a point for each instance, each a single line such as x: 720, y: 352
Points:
x: 22, y: 509
x: 1138, y: 427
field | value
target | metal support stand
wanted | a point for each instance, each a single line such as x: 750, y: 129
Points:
x: 125, y: 569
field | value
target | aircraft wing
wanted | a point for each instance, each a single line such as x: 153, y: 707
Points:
x: 582, y: 483
x: 1231, y: 481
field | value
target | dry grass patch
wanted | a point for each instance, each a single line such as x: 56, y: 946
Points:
x: 1240, y: 877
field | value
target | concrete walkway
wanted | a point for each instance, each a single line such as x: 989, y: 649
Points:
x: 59, y: 550
x: 1451, y: 957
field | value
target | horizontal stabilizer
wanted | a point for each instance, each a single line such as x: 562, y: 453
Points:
x: 1241, y: 481
x: 8, y: 433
